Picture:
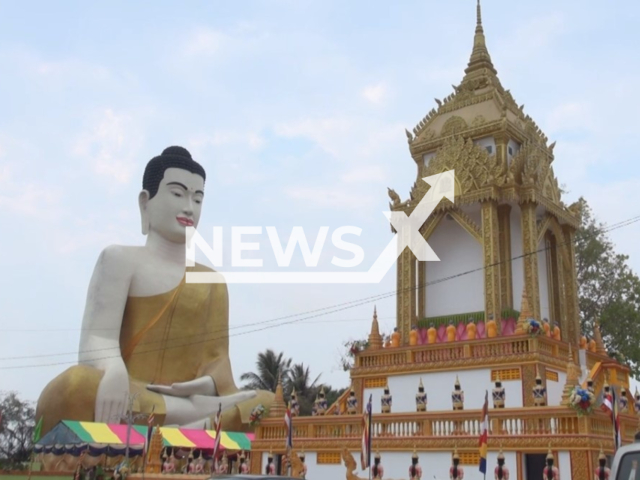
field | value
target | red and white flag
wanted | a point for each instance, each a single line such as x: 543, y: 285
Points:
x: 288, y: 423
x: 218, y: 427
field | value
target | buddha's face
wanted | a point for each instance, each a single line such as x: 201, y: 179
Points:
x: 176, y: 206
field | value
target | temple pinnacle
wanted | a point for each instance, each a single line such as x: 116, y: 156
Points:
x: 480, y: 58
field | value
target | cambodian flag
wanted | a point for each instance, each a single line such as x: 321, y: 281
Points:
x: 484, y: 433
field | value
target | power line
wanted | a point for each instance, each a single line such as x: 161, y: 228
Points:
x: 317, y: 312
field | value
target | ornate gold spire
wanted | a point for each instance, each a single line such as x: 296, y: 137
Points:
x: 549, y: 453
x: 525, y: 313
x: 480, y: 58
x: 278, y: 408
x: 375, y: 339
x: 597, y: 336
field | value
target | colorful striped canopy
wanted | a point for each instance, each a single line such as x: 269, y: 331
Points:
x: 112, y: 434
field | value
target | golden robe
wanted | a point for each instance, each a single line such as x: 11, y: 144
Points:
x: 173, y: 337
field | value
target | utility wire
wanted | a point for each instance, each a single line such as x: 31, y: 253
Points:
x: 316, y: 313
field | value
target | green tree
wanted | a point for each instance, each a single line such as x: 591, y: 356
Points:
x: 608, y: 290
x: 269, y: 367
x: 16, y: 431
x: 300, y: 380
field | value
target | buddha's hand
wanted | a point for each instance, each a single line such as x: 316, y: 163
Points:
x: 113, y: 393
x: 199, y: 386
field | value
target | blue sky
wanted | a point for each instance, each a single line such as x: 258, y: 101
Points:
x: 297, y: 110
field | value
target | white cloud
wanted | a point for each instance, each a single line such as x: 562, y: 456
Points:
x: 375, y: 93
x: 30, y: 199
x: 111, y: 145
x: 328, y: 133
x: 205, y: 42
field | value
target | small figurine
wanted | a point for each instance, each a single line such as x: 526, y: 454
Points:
x: 395, y: 338
x: 413, y: 336
x: 501, y: 472
x: 491, y: 327
x: 190, y: 467
x: 556, y: 332
x: 457, y: 396
x: 244, y: 466
x: 295, y: 406
x: 321, y: 403
x: 169, y: 465
x: 590, y: 386
x: 199, y: 468
x: 583, y: 343
x: 592, y: 346
x: 456, y: 472
x: 387, y: 341
x: 432, y: 335
x: 421, y: 398
x: 377, y: 470
x: 451, y: 333
x: 352, y: 403
x: 498, y: 394
x: 546, y: 327
x: 304, y: 465
x: 623, y: 401
x: 415, y: 470
x: 550, y: 472
x: 602, y: 471
x: 539, y: 393
x: 270, y: 469
x: 386, y: 400
x: 636, y: 403
x: 471, y: 330
x: 223, y: 466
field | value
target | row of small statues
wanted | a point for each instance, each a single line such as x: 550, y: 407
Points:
x: 199, y: 465
x: 457, y: 398
x: 551, y: 329
x: 456, y: 471
x: 498, y: 394
x: 500, y: 472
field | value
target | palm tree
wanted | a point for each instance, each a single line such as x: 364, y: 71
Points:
x: 269, y: 368
x: 306, y: 390
x: 300, y: 380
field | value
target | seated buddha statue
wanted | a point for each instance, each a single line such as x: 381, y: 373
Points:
x: 471, y: 330
x: 555, y: 332
x: 395, y: 338
x: 432, y: 335
x: 451, y: 333
x: 546, y: 326
x: 583, y: 342
x: 148, y: 332
x: 413, y: 336
x: 492, y: 328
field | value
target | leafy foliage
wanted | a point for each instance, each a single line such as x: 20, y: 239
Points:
x: 608, y: 291
x: 270, y: 365
x: 269, y: 368
x: 16, y: 431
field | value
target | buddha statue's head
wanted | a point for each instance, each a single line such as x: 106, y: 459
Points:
x: 172, y: 194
